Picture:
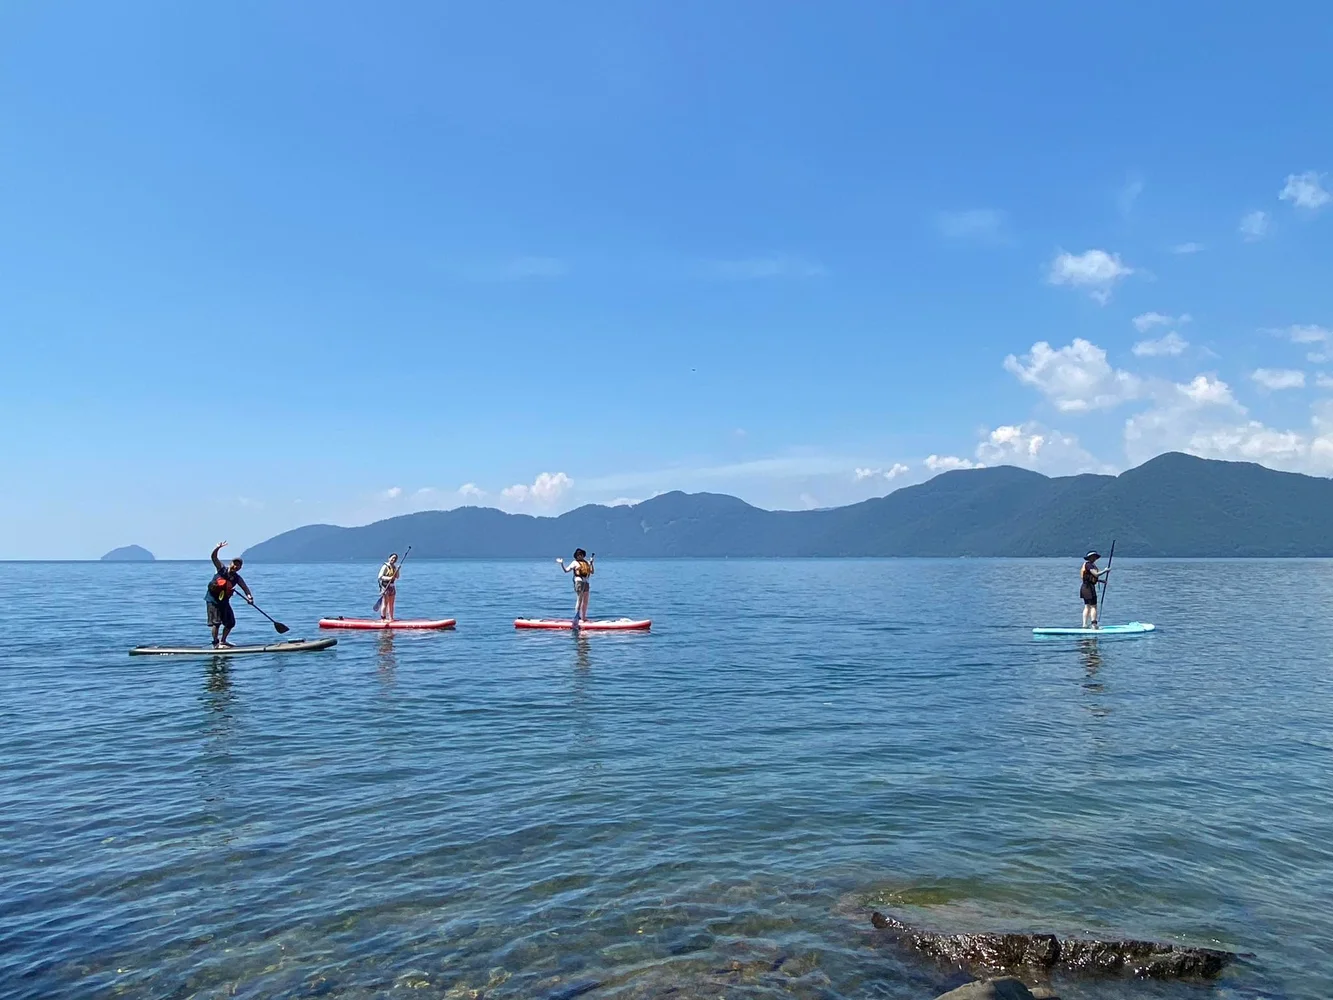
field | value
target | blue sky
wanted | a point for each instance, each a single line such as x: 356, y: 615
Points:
x: 263, y: 264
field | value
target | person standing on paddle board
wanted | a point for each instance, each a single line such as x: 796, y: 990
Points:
x: 225, y: 580
x: 1088, y: 578
x: 389, y: 574
x: 581, y: 567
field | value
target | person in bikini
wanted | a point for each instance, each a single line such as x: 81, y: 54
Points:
x: 1089, y: 576
x: 581, y: 567
x: 224, y: 581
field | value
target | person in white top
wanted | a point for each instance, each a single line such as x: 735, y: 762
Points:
x: 581, y: 567
x: 388, y: 579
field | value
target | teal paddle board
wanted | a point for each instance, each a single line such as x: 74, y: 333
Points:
x: 1132, y: 628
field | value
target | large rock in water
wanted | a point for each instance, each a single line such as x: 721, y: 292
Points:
x: 997, y: 989
x: 1145, y: 959
x: 129, y: 553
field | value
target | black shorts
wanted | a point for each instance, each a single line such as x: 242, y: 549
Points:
x: 220, y: 614
x: 1089, y: 594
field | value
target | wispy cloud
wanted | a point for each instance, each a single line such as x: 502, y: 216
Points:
x: 1146, y: 321
x: 471, y: 490
x: 763, y: 268
x: 520, y: 268
x: 392, y: 493
x: 1306, y: 191
x: 1254, y: 226
x: 1307, y: 334
x: 1278, y: 379
x: 1187, y: 248
x: 1129, y: 195
x: 974, y: 225
x: 1172, y: 345
x: 1094, y: 271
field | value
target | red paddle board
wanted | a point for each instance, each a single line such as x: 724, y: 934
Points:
x: 377, y: 623
x: 594, y: 625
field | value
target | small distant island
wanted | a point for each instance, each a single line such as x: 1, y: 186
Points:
x: 129, y: 553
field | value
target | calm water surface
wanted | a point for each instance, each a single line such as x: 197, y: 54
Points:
x: 701, y: 809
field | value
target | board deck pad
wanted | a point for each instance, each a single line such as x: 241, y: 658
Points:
x: 290, y: 646
x: 592, y: 625
x: 1130, y: 628
x: 378, y: 624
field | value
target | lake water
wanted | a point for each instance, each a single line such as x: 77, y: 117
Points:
x: 694, y: 812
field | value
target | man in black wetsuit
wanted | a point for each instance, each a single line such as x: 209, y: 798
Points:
x: 225, y: 580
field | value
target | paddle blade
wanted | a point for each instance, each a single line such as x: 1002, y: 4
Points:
x: 280, y: 628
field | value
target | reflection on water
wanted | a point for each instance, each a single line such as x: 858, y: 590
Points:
x: 387, y: 660
x: 673, y: 813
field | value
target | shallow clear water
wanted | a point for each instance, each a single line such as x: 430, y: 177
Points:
x: 701, y: 809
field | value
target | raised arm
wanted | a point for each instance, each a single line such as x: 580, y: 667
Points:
x: 217, y: 563
x: 563, y: 567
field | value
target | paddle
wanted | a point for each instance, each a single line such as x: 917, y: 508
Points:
x: 1106, y: 581
x: 379, y: 601
x: 278, y: 626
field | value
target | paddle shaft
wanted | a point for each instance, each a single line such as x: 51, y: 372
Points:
x: 278, y: 626
x: 1106, y: 579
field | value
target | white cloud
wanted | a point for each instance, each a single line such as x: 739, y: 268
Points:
x: 471, y: 490
x: 808, y: 501
x: 1324, y: 381
x: 1278, y: 379
x: 1305, y: 191
x: 545, y: 489
x: 1172, y: 345
x: 1146, y: 321
x: 1094, y: 270
x: 1187, y: 248
x: 948, y: 463
x: 762, y: 268
x: 1204, y: 390
x: 1075, y: 378
x: 250, y: 503
x: 1254, y: 226
x: 982, y: 225
x: 1319, y: 357
x: 893, y: 472
x: 623, y: 502
x: 392, y: 493
x: 1308, y: 334
x: 1034, y: 447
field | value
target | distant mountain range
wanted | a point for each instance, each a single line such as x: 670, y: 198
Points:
x: 129, y: 553
x: 1174, y: 505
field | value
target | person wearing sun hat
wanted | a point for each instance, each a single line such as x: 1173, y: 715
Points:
x: 1089, y: 576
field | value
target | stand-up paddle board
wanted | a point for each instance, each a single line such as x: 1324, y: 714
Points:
x: 292, y: 646
x: 379, y: 623
x: 1132, y: 628
x: 594, y: 625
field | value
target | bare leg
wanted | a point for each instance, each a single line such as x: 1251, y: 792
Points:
x: 583, y: 605
x: 1087, y: 615
x: 388, y: 605
x: 226, y: 631
x: 214, y: 630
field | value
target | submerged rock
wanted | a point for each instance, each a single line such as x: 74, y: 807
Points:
x: 1145, y: 959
